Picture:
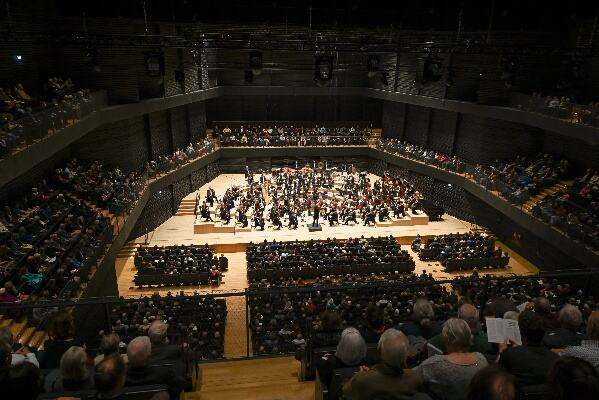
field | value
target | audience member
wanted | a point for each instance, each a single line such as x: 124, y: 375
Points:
x: 448, y: 376
x: 61, y: 332
x: 530, y: 362
x: 423, y: 323
x: 389, y: 379
x: 351, y: 352
x: 570, y: 320
x: 492, y: 383
x: 21, y: 355
x: 573, y: 379
x: 141, y: 372
x: 24, y: 382
x: 74, y: 373
x: 588, y: 349
x: 110, y: 344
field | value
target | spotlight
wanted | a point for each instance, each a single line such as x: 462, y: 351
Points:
x: 373, y: 65
x: 433, y: 69
x: 248, y: 76
x: 256, y: 62
x: 154, y: 64
x: 18, y: 58
x: 323, y: 68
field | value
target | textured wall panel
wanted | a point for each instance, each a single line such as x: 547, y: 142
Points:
x: 159, y: 134
x: 158, y: 209
x: 197, y: 120
x: 442, y: 128
x: 198, y: 178
x: 179, y: 127
x: 181, y: 189
x: 393, y: 119
x: 417, y: 125
x: 121, y: 143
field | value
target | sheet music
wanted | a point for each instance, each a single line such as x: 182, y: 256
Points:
x: 498, y: 329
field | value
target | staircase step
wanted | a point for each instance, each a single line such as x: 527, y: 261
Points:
x: 27, y: 335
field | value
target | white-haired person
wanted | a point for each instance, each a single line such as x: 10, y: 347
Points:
x: 448, y: 376
x: 389, y: 379
x: 351, y: 352
x: 74, y: 374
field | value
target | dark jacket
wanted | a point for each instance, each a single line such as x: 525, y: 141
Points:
x: 53, y: 351
x: 529, y: 364
x: 415, y: 329
x: 383, y: 382
x: 561, y: 338
x: 137, y: 376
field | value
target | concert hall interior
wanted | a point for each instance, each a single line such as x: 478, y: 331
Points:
x: 299, y: 200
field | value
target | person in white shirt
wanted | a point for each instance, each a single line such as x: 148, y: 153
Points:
x: 21, y: 355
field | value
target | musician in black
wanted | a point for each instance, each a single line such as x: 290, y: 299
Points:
x: 292, y: 219
x: 316, y: 215
x: 242, y: 218
x: 258, y: 221
x: 274, y: 218
x: 225, y: 215
x: 349, y: 215
x: 383, y: 213
x: 210, y: 196
x: 399, y: 210
x: 370, y: 216
x: 205, y: 213
x: 333, y: 217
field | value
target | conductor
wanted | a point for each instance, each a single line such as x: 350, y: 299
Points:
x: 316, y: 215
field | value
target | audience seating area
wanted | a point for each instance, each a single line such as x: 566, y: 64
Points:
x: 311, y: 259
x: 575, y: 211
x: 199, y: 322
x: 520, y: 179
x: 25, y: 118
x: 178, y: 266
x: 462, y: 251
x: 273, y: 135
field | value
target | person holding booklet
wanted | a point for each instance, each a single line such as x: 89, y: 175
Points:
x: 530, y: 362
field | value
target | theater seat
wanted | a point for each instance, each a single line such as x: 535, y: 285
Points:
x: 534, y: 392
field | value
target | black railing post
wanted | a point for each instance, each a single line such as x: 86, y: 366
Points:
x: 247, y: 323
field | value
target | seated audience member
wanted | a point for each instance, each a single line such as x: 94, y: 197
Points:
x: 530, y: 362
x: 542, y: 306
x: 74, y: 373
x: 23, y: 382
x: 351, y: 352
x: 492, y: 383
x: 375, y: 319
x: 389, y: 379
x: 109, y: 345
x: 328, y: 333
x: 141, y: 372
x: 480, y: 341
x: 423, y: 323
x: 21, y: 355
x: 573, y: 379
x: 61, y: 330
x: 5, y: 360
x: 162, y: 351
x: 589, y: 348
x: 110, y: 377
x: 570, y: 320
x: 448, y: 376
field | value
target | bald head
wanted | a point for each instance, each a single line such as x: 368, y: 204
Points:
x: 470, y: 314
x: 542, y: 306
x: 157, y: 331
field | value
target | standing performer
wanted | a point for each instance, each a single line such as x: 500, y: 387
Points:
x: 316, y: 215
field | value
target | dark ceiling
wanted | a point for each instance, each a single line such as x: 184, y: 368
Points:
x: 526, y: 15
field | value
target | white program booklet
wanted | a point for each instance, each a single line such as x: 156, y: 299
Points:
x: 498, y: 329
